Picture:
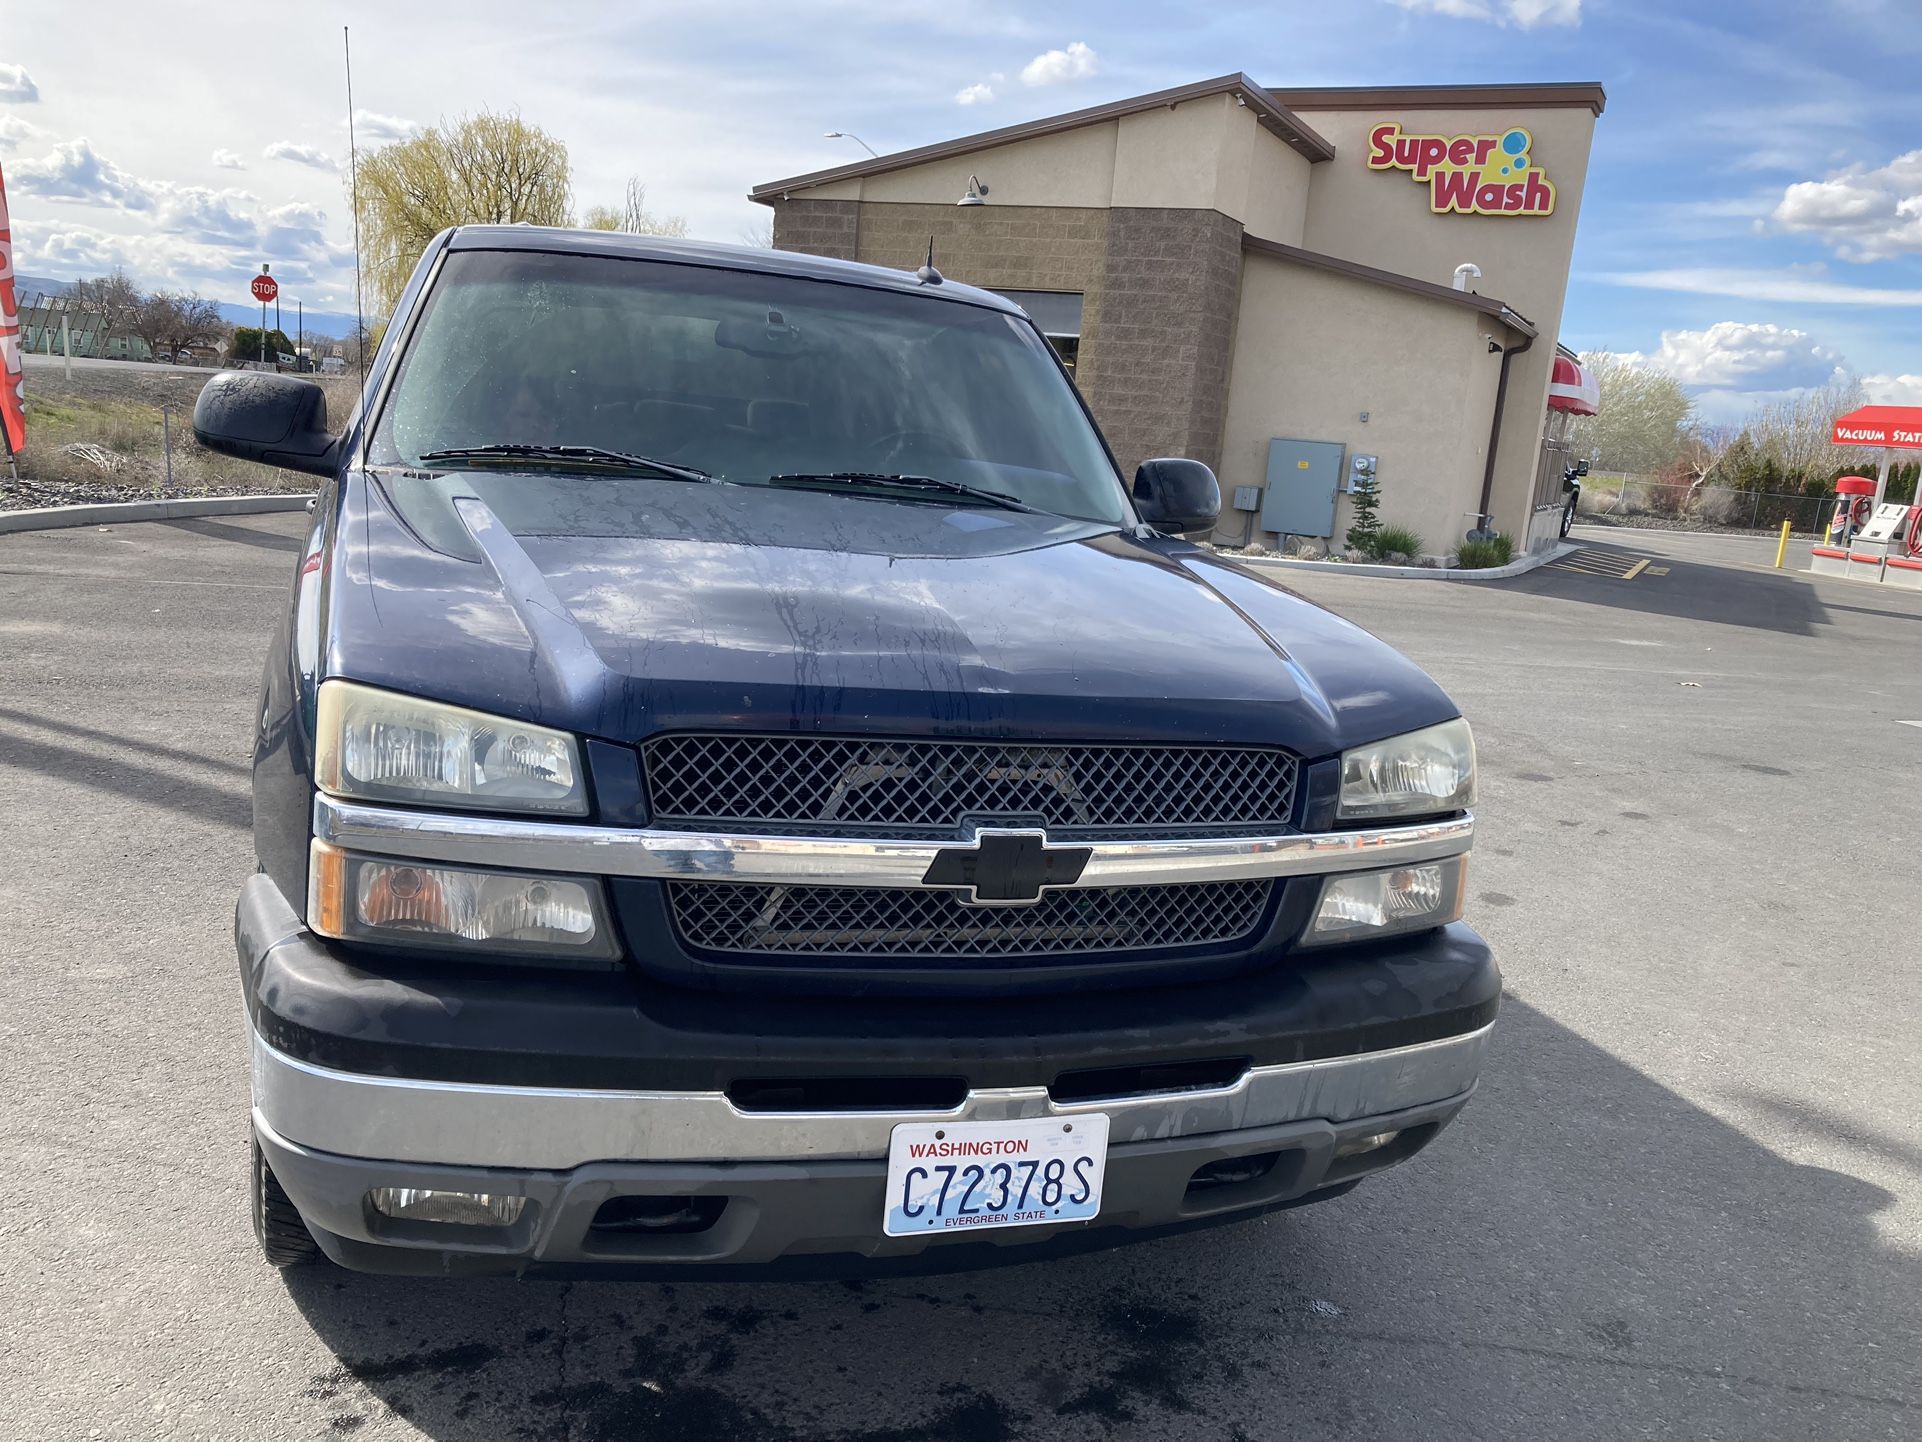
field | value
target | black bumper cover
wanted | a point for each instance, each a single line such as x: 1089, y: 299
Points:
x: 533, y: 1027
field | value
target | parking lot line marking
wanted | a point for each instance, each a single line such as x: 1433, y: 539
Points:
x: 1658, y: 570
x: 1635, y: 570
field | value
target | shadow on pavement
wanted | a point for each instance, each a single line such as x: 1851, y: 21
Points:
x: 226, y: 531
x: 1727, y: 595
x: 1674, y: 1277
x: 125, y: 780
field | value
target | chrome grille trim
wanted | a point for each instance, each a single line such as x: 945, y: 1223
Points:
x: 529, y: 845
x: 829, y: 785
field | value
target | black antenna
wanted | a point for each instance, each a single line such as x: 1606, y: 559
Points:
x: 353, y: 173
x: 927, y: 274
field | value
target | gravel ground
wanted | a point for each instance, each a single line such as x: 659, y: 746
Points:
x: 116, y: 406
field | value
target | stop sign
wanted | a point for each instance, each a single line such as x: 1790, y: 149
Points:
x: 265, y: 288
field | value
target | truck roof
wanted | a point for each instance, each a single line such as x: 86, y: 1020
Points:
x: 728, y: 257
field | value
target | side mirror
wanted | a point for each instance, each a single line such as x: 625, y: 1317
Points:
x: 1177, y: 495
x: 1581, y: 468
x: 273, y: 419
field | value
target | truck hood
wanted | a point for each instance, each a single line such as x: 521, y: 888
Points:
x: 621, y: 607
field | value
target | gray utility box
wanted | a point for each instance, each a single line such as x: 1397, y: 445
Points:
x: 1303, y: 479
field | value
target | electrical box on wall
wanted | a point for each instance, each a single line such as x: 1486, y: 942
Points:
x: 1303, y: 480
x: 1247, y: 498
x: 1359, y: 467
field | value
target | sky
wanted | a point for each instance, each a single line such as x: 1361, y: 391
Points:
x: 1752, y: 221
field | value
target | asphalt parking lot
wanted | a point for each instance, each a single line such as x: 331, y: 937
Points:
x: 1686, y: 1203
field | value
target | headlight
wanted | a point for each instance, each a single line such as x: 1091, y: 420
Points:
x: 410, y: 903
x: 1424, y: 773
x: 1363, y: 905
x: 383, y: 746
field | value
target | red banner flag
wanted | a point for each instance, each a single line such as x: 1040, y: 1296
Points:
x: 13, y: 395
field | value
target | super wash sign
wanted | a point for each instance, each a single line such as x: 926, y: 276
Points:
x: 1467, y: 174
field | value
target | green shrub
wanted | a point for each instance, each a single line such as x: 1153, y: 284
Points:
x: 1483, y: 555
x: 1391, y: 539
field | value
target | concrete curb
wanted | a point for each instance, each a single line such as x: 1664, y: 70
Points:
x: 48, y: 518
x: 1409, y: 573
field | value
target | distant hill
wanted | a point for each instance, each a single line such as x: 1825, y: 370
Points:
x: 321, y: 325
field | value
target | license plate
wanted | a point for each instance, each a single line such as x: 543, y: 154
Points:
x: 958, y: 1176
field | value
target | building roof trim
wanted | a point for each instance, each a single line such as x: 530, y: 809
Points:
x: 1553, y: 94
x: 1427, y: 289
x: 1270, y: 114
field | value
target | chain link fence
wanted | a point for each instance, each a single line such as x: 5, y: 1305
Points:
x: 1646, y: 500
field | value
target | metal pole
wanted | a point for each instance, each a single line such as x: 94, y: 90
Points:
x: 300, y: 326
x: 167, y: 443
x: 1882, y: 476
x: 1782, y: 550
x: 263, y: 332
x: 66, y: 344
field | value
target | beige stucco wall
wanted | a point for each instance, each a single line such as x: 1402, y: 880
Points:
x: 1314, y: 349
x: 1382, y: 218
x: 1073, y: 168
x: 1206, y: 154
x: 1278, y: 181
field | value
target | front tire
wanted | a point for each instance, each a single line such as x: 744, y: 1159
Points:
x: 283, y: 1236
x: 1568, y: 519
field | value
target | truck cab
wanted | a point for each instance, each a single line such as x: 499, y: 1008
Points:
x: 744, y: 783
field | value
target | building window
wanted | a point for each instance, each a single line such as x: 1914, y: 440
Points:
x: 1057, y: 313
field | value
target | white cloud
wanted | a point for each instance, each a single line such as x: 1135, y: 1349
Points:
x: 1863, y: 213
x: 16, y: 86
x: 311, y: 155
x: 1055, y: 67
x: 76, y: 171
x: 16, y: 132
x: 979, y: 93
x: 227, y: 160
x: 1786, y: 287
x: 217, y: 216
x: 1734, y: 355
x: 1527, y: 14
x: 371, y: 125
x: 1893, y: 390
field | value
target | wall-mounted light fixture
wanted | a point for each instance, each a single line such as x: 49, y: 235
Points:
x: 975, y: 194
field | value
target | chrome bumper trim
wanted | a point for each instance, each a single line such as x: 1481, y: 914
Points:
x: 459, y: 1124
x: 529, y: 845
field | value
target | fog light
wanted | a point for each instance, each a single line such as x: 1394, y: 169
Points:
x: 1365, y: 905
x: 458, y: 1209
x: 1355, y: 1146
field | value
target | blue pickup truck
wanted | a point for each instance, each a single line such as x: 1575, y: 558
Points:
x: 745, y: 784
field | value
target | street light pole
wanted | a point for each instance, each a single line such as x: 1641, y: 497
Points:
x: 850, y: 135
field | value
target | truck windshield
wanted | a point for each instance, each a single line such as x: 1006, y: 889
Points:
x: 748, y: 377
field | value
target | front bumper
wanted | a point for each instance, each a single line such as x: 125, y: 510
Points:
x: 572, y: 1089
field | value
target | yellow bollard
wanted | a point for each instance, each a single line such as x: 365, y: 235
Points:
x: 1781, y: 551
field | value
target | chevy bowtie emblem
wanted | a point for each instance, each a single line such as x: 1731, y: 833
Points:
x: 1004, y: 867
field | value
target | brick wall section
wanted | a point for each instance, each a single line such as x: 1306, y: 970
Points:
x: 817, y: 227
x: 1159, y: 291
x: 1172, y: 285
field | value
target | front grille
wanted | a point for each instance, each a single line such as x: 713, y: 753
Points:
x: 832, y: 785
x: 924, y: 923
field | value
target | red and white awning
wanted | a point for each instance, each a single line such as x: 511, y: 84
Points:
x: 1573, y: 389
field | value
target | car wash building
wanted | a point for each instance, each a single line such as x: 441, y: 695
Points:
x: 1293, y: 286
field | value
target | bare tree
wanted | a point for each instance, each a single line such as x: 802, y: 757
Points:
x: 1704, y: 447
x: 1797, y: 431
x: 152, y: 320
x: 113, y: 292
x: 195, y: 322
x: 1640, y: 424
x: 634, y: 217
x: 760, y: 234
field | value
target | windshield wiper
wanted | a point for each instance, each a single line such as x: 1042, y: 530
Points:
x: 882, y: 480
x: 596, y: 456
